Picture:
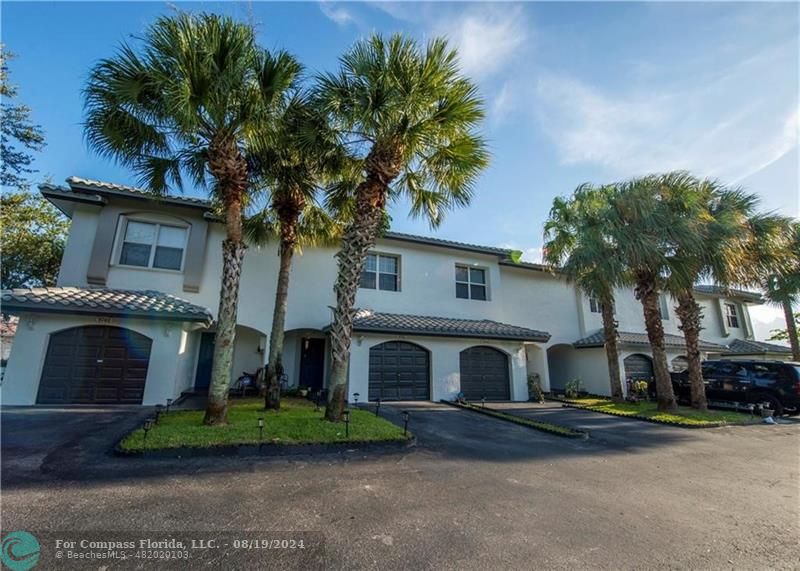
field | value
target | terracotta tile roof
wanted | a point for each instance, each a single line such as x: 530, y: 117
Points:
x: 751, y: 347
x: 627, y: 338
x: 366, y: 320
x: 446, y: 243
x: 103, y: 301
x: 751, y: 296
x: 79, y: 183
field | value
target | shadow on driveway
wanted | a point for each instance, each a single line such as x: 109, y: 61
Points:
x: 73, y: 444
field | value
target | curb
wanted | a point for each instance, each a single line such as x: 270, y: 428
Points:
x: 250, y: 450
x: 521, y: 421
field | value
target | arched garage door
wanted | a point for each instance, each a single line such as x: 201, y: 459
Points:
x: 484, y: 374
x: 638, y: 368
x: 95, y: 365
x: 399, y: 371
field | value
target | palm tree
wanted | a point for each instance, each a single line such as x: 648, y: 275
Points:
x: 188, y: 103
x: 725, y: 221
x: 577, y: 245
x: 411, y: 119
x: 645, y: 231
x: 293, y: 162
x: 782, y: 282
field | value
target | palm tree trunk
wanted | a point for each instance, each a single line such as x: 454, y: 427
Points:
x: 612, y: 351
x: 357, y: 240
x: 272, y: 398
x: 691, y: 316
x: 217, y: 408
x: 648, y: 296
x: 791, y: 329
x: 229, y: 168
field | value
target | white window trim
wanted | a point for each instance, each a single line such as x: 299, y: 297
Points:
x: 736, y: 315
x: 594, y: 305
x: 378, y: 272
x: 468, y: 283
x: 120, y: 240
x: 663, y: 306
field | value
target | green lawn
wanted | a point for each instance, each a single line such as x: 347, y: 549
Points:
x: 684, y: 415
x: 296, y: 423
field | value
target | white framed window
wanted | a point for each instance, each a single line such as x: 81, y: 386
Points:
x: 663, y: 307
x: 153, y: 245
x: 731, y: 315
x: 594, y: 305
x: 382, y: 272
x: 471, y: 283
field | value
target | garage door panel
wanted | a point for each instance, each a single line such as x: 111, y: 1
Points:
x: 95, y: 364
x: 484, y: 374
x: 399, y: 371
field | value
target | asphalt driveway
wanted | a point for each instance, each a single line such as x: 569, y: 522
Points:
x: 475, y: 493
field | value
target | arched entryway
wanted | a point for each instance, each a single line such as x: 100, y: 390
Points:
x: 399, y: 370
x: 95, y: 364
x: 484, y: 374
x: 638, y: 367
x: 679, y: 364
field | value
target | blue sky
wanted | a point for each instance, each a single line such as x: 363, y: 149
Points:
x: 575, y: 91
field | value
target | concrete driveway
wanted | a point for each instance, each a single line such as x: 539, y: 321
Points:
x: 475, y: 493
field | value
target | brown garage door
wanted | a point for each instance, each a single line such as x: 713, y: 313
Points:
x: 484, y: 374
x: 399, y: 371
x: 95, y: 365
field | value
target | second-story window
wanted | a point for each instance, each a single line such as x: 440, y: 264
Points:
x: 150, y: 245
x: 663, y: 308
x: 381, y: 271
x: 594, y: 305
x: 731, y: 315
x: 470, y: 283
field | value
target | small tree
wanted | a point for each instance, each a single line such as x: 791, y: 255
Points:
x: 34, y: 234
x: 782, y: 280
x: 411, y: 120
x: 19, y: 135
x: 293, y: 162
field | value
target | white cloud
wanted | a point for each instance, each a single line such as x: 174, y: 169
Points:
x: 730, y: 126
x: 336, y: 12
x: 487, y: 37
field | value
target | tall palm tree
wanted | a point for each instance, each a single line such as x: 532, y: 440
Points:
x: 293, y: 163
x: 188, y: 102
x: 725, y: 222
x: 578, y: 246
x: 782, y: 282
x: 411, y: 119
x: 645, y: 231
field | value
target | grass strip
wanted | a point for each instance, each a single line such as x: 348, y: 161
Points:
x: 296, y: 423
x: 549, y: 427
x: 647, y: 410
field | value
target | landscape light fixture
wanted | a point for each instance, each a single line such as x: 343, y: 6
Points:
x: 405, y: 423
x: 169, y: 404
x: 148, y: 425
x: 355, y: 398
x: 159, y: 408
x: 261, y: 429
x: 377, y: 406
x: 346, y: 418
x: 317, y: 396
